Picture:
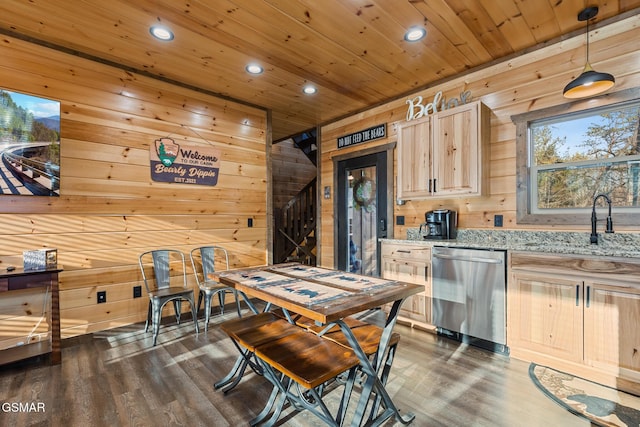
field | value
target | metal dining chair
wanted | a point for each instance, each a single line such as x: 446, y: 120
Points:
x: 204, y: 260
x: 165, y: 277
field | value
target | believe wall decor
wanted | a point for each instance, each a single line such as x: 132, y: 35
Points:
x: 185, y: 164
x: 417, y: 109
x: 29, y: 145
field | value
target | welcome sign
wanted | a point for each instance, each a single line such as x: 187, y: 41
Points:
x: 184, y: 164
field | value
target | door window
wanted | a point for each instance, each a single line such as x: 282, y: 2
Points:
x: 361, y: 214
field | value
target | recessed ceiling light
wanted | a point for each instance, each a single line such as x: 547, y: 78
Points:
x: 414, y: 34
x: 161, y: 33
x: 254, y: 69
x: 309, y: 90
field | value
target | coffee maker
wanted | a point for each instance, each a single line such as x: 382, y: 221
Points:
x: 440, y: 224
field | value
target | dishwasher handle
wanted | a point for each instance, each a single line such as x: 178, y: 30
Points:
x: 470, y: 259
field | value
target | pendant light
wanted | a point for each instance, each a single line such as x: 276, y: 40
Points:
x: 590, y: 82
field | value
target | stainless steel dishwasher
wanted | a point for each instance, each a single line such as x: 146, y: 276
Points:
x: 469, y: 295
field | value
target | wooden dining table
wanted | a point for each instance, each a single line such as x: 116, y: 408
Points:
x: 328, y: 297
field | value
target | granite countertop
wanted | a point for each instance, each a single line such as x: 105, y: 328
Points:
x: 558, y: 242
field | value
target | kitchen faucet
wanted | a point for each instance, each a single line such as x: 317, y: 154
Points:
x: 594, y: 219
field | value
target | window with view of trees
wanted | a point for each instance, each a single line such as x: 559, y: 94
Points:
x: 569, y: 153
x: 578, y: 157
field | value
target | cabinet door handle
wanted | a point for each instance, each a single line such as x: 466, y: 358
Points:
x: 403, y: 251
x: 426, y: 273
x: 434, y: 185
x: 578, y: 296
x: 429, y: 186
x: 588, y: 297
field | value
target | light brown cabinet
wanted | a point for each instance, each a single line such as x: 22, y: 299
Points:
x: 441, y: 155
x: 611, y: 332
x: 545, y: 315
x: 414, y: 159
x: 411, y: 264
x: 577, y: 314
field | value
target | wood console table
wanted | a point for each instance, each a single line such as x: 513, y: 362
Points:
x: 18, y: 280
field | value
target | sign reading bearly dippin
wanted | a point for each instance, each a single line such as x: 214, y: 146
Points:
x: 172, y: 162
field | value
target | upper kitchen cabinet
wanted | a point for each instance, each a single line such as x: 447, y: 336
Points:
x: 441, y: 155
x: 414, y: 158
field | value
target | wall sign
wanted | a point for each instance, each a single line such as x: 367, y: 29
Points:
x: 371, y: 134
x: 417, y: 109
x: 172, y: 162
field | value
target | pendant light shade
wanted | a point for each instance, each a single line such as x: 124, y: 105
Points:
x: 590, y: 82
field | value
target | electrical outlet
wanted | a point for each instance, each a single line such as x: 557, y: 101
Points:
x: 497, y: 220
x: 250, y: 222
x: 400, y: 220
x: 102, y: 297
x: 137, y: 291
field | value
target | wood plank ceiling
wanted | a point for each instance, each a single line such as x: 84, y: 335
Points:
x: 353, y: 51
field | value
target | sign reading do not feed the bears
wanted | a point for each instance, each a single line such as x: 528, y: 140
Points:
x: 373, y: 133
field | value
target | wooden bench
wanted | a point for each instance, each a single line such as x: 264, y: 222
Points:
x: 307, y: 358
x: 247, y: 333
x: 252, y: 331
x: 310, y: 361
x: 367, y: 335
x: 307, y: 354
x: 305, y: 322
x: 297, y: 353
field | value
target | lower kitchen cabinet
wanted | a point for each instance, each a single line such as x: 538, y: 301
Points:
x: 611, y: 326
x: 412, y: 264
x: 577, y: 314
x: 545, y: 315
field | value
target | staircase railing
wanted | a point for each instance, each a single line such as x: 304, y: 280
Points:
x: 295, y: 226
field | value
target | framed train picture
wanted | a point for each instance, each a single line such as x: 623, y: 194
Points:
x: 29, y: 145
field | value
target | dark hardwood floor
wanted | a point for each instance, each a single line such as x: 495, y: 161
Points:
x: 116, y: 378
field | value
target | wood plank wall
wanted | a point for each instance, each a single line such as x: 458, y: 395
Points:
x: 524, y: 83
x: 109, y: 210
x: 291, y: 172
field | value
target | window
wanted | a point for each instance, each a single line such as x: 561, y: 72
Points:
x: 568, y: 155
